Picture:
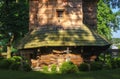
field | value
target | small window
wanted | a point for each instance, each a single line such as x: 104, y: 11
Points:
x: 60, y: 13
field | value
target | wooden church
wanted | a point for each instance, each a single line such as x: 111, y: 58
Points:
x: 62, y: 30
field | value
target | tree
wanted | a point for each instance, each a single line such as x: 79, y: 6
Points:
x: 107, y: 20
x: 13, y: 22
x: 116, y: 40
x: 113, y: 3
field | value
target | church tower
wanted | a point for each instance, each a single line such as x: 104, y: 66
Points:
x: 59, y: 29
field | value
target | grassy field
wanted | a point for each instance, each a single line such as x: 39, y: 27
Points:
x: 104, y: 74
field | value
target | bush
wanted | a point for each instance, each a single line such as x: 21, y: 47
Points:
x: 68, y: 67
x: 84, y: 67
x: 118, y: 62
x: 94, y: 66
x: 115, y: 63
x: 1, y: 58
x: 53, y: 68
x: 107, y: 66
x: 14, y: 63
x: 45, y: 69
x: 5, y: 63
x: 26, y: 67
x: 17, y: 58
x: 15, y: 66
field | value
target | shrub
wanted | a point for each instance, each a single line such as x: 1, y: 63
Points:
x: 107, y: 66
x: 1, y: 58
x: 115, y: 63
x: 118, y: 62
x: 68, y: 67
x: 14, y: 63
x: 84, y: 67
x: 53, y: 68
x: 5, y: 63
x: 26, y: 67
x: 95, y: 66
x: 17, y: 58
x: 45, y: 68
x: 15, y: 66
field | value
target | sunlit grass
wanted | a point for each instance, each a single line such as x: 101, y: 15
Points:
x: 104, y: 74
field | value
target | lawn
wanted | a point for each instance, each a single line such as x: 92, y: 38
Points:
x: 104, y: 74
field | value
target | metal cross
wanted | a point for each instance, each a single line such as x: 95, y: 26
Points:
x: 68, y: 50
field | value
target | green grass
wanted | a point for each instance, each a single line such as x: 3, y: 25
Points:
x: 104, y: 74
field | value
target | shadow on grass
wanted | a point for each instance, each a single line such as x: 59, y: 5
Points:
x: 104, y: 74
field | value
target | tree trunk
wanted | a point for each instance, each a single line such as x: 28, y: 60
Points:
x: 9, y: 46
x: 8, y: 51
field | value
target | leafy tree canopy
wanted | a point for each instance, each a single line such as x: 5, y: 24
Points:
x: 113, y: 3
x: 107, y: 20
x: 13, y: 20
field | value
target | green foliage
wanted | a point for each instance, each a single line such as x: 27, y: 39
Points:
x: 45, y: 69
x: 106, y: 61
x: 115, y: 63
x: 14, y: 63
x: 115, y: 40
x: 26, y: 67
x: 84, y: 67
x: 107, y: 66
x: 110, y: 63
x: 17, y: 58
x: 68, y: 67
x: 113, y: 3
x: 107, y: 20
x: 94, y: 66
x: 5, y: 63
x: 53, y: 68
x: 13, y: 21
x: 119, y: 46
x: 15, y: 66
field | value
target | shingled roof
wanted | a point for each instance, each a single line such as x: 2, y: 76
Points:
x: 52, y: 36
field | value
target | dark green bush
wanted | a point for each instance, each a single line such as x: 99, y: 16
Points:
x: 45, y: 69
x: 26, y: 67
x: 15, y: 66
x: 5, y: 63
x: 1, y: 58
x: 118, y: 62
x: 94, y: 66
x: 84, y: 67
x: 115, y: 63
x: 68, y: 67
x: 53, y: 68
x: 107, y: 66
x: 14, y: 63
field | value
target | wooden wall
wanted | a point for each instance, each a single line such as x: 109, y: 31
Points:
x: 56, y: 58
x: 90, y: 13
x: 76, y: 12
x: 44, y: 12
x: 33, y: 10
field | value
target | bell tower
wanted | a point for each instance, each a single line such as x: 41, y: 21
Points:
x: 57, y: 25
x: 66, y: 13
